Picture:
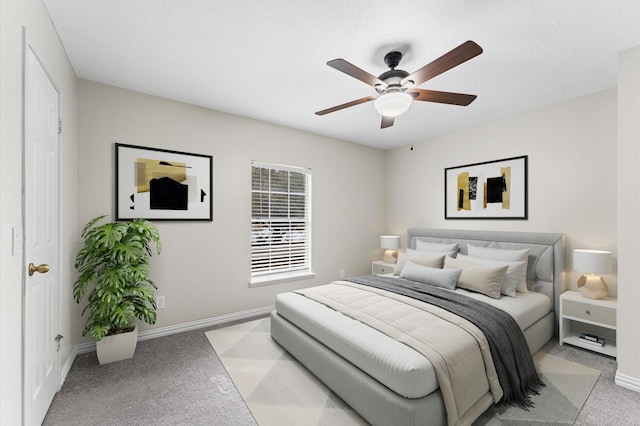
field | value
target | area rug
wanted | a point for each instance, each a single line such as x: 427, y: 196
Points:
x: 280, y: 391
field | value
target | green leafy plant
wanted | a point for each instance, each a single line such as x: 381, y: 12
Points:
x: 114, y: 269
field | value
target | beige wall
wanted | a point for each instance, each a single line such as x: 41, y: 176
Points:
x: 203, y: 270
x: 572, y: 179
x: 628, y: 218
x: 30, y: 15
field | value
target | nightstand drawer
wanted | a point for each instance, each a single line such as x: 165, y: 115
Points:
x: 599, y: 314
x: 382, y: 268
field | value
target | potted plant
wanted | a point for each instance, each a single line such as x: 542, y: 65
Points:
x: 114, y: 275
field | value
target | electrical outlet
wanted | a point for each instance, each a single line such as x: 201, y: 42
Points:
x: 160, y: 302
x: 342, y: 274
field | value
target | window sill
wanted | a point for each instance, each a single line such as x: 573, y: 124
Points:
x: 280, y: 278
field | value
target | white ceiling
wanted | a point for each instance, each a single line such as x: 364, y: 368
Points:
x: 265, y: 59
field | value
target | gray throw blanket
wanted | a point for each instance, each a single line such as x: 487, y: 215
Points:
x: 509, y: 349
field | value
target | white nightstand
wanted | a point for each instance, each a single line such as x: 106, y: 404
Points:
x: 579, y: 314
x: 378, y: 267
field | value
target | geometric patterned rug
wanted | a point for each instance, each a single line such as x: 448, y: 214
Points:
x: 280, y: 391
x: 568, y: 385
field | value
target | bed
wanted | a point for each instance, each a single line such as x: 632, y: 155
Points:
x: 384, y: 377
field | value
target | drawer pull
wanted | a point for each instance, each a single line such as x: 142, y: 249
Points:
x: 588, y: 313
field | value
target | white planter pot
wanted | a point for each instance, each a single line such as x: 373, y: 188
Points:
x: 117, y: 347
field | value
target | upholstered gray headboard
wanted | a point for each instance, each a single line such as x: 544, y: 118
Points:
x: 545, y: 273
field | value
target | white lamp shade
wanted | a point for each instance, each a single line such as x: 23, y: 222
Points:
x: 592, y: 261
x: 390, y: 242
x: 393, y: 104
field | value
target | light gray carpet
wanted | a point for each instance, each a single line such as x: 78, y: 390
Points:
x: 179, y: 380
x: 279, y: 391
x: 172, y: 380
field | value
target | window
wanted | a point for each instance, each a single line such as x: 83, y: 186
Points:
x: 280, y: 223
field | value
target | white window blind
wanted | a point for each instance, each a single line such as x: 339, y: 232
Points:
x: 280, y: 221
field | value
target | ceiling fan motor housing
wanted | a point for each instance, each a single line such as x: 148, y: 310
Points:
x: 392, y: 78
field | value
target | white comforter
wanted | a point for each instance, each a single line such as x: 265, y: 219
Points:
x: 457, y: 349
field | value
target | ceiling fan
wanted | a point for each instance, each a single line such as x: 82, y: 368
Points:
x: 396, y: 88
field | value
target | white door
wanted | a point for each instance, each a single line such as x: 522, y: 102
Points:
x: 40, y: 357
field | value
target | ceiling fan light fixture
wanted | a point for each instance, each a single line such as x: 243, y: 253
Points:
x: 396, y: 88
x: 393, y: 104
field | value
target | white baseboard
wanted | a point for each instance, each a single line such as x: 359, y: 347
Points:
x: 180, y: 328
x: 628, y: 382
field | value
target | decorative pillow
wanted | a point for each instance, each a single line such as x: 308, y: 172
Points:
x: 451, y: 253
x: 447, y: 278
x: 439, y: 247
x: 486, y: 280
x: 433, y: 260
x: 514, y: 279
x: 518, y: 255
x: 499, y: 254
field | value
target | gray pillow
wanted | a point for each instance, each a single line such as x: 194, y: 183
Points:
x: 447, y: 278
x: 429, y: 246
x: 499, y: 254
x: 451, y: 253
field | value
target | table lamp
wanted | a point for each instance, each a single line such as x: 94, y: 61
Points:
x: 594, y: 263
x: 391, y: 243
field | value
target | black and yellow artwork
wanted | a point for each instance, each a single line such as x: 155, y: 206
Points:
x: 490, y: 190
x: 164, y: 181
x: 495, y: 189
x: 161, y: 184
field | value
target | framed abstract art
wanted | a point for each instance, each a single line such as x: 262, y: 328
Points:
x: 489, y: 190
x: 159, y: 184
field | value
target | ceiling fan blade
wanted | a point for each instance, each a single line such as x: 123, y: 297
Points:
x: 347, y: 105
x: 386, y: 122
x: 453, y: 58
x: 441, y: 97
x: 355, y: 72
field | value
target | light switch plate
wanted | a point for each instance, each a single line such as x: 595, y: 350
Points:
x: 16, y: 233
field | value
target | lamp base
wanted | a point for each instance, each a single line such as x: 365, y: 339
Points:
x: 593, y: 286
x: 390, y: 256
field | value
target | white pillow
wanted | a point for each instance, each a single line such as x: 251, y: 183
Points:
x: 514, y: 280
x: 433, y: 260
x: 486, y: 280
x: 499, y: 254
x: 440, y: 247
x: 451, y: 253
x: 510, y: 255
x: 447, y: 278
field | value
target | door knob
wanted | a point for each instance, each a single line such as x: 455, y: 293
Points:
x: 41, y: 269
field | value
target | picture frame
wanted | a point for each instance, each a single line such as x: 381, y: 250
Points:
x: 159, y: 184
x: 489, y: 190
